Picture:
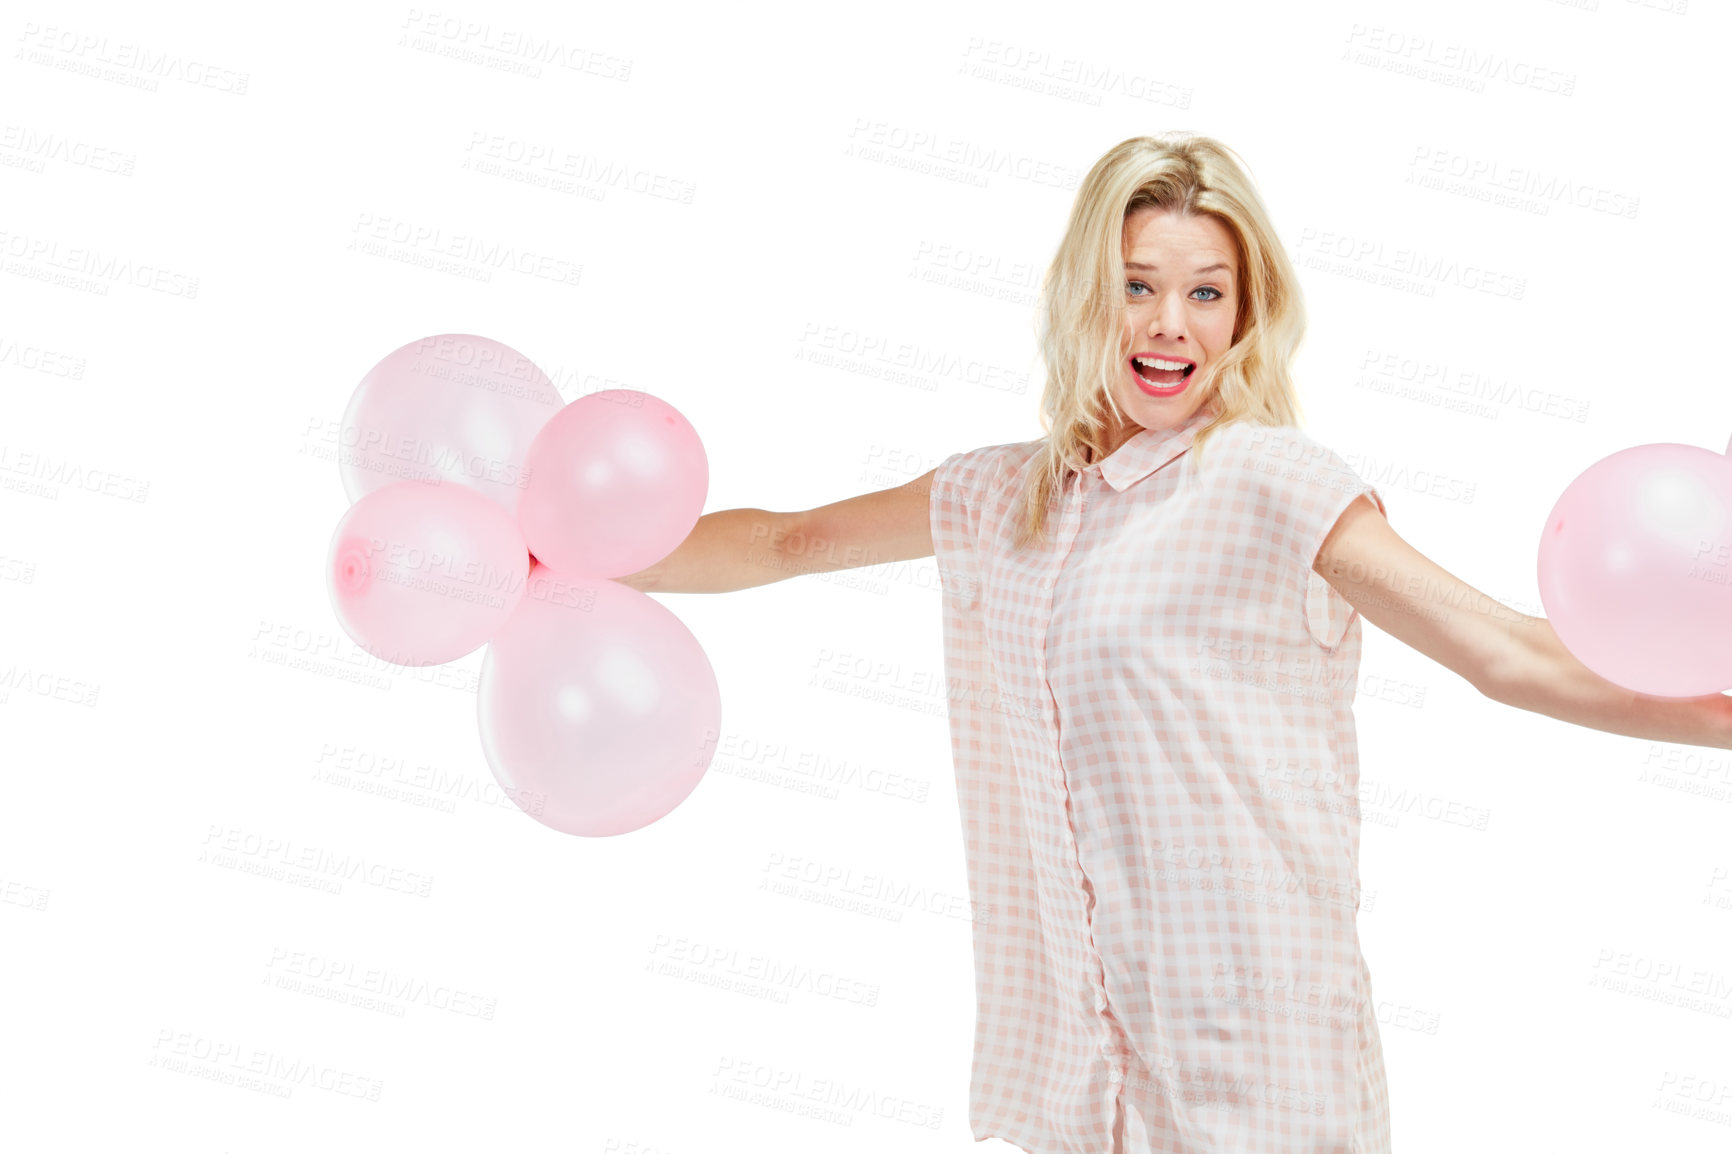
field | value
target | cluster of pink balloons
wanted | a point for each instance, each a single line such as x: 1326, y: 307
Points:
x: 1635, y: 569
x: 485, y: 511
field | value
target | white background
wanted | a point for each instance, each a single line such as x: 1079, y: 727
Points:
x: 214, y: 220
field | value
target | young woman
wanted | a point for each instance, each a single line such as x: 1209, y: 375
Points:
x: 1151, y: 632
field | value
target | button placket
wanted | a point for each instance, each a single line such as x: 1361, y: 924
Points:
x: 1092, y: 482
x: 1070, y: 521
x: 1067, y: 526
x: 1070, y: 525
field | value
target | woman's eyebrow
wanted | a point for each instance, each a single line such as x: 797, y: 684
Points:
x: 1156, y: 268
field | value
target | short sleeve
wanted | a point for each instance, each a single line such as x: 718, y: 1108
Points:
x: 959, y: 488
x: 1306, y: 486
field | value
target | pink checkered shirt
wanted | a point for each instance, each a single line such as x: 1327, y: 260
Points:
x: 1152, y: 727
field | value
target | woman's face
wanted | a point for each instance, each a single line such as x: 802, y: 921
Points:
x: 1181, y: 295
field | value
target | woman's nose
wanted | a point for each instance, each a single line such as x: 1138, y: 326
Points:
x: 1167, y: 318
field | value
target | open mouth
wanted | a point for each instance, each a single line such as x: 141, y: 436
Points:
x: 1162, y: 372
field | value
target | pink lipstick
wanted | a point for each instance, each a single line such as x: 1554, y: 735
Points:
x: 1160, y: 375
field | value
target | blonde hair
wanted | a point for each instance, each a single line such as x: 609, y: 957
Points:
x: 1080, y: 323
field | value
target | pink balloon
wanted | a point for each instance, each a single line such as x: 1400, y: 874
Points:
x: 452, y: 408
x: 422, y: 574
x: 1635, y: 569
x: 599, y: 710
x: 617, y: 479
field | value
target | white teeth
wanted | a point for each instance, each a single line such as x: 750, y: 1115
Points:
x: 1157, y: 363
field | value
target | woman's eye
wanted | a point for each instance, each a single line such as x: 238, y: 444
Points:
x: 1137, y: 284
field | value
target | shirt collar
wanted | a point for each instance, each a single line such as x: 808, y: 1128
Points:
x: 1152, y: 448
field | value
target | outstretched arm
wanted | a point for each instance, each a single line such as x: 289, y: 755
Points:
x: 742, y: 548
x: 1508, y: 656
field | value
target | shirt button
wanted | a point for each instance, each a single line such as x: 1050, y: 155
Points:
x: 1100, y: 1001
x: 1115, y: 1075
